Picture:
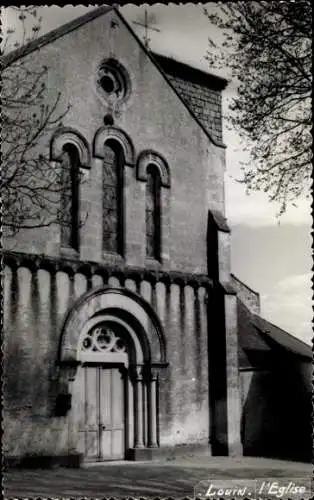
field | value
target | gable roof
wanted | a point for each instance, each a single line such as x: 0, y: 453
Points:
x: 200, y: 91
x: 261, y: 341
x: 195, y: 75
x: 53, y: 35
x: 196, y: 90
x: 262, y: 344
x: 282, y: 338
x: 162, y: 63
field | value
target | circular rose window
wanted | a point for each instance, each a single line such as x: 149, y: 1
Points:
x: 113, y: 82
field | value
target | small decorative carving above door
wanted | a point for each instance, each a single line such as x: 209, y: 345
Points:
x: 101, y: 338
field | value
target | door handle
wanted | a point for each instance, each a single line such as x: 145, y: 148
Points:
x: 103, y: 427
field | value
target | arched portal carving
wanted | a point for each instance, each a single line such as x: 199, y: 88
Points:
x: 108, y: 338
x: 107, y: 332
x: 125, y: 305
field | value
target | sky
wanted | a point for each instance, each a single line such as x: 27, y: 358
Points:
x: 272, y: 258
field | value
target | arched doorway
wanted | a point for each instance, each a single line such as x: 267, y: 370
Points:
x: 114, y: 341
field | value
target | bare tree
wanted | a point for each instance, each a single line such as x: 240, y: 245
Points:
x: 267, y: 46
x: 30, y: 185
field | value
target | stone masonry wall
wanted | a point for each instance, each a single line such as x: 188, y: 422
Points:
x: 36, y: 301
x: 248, y: 296
x: 154, y: 118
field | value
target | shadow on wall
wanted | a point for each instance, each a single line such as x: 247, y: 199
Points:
x: 276, y: 417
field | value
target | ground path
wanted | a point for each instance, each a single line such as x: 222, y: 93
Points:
x: 175, y: 478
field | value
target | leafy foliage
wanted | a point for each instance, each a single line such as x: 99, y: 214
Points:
x: 267, y: 46
x: 30, y: 184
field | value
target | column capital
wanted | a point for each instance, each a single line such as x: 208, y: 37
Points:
x: 138, y: 372
x: 154, y: 371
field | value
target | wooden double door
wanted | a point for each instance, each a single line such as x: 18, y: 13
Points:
x: 102, y: 419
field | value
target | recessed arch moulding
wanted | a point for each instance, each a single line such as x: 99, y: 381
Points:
x: 107, y: 133
x: 149, y: 157
x: 122, y: 306
x: 68, y: 135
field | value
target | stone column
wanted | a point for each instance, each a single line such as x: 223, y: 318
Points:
x: 152, y: 410
x: 139, y: 427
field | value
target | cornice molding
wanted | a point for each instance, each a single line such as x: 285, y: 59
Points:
x: 35, y: 262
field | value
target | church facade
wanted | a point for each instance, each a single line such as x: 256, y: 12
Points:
x: 121, y: 323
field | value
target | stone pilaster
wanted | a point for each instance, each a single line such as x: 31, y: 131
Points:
x: 223, y: 343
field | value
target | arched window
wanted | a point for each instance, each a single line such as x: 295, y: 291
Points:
x: 70, y: 218
x: 153, y: 213
x: 113, y: 160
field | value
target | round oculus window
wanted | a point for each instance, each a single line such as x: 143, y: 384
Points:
x: 113, y: 81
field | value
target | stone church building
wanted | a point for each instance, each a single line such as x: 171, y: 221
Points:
x: 127, y: 336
